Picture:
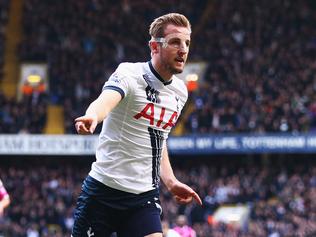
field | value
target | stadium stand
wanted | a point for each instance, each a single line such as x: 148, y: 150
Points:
x: 83, y: 42
x: 4, y: 6
x: 261, y: 67
x: 25, y: 116
x: 281, y: 194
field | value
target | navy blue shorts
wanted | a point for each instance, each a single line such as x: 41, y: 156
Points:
x: 102, y: 210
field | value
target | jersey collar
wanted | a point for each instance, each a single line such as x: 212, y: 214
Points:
x: 152, y: 69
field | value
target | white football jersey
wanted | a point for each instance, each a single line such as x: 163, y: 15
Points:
x: 130, y: 143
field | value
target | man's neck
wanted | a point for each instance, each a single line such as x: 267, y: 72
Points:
x: 158, y: 68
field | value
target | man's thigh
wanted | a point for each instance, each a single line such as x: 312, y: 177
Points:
x: 91, y: 218
x: 142, y: 222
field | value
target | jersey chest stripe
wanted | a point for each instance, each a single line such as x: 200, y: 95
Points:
x: 156, y: 140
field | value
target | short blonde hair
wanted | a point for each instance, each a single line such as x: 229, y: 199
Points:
x: 157, y: 27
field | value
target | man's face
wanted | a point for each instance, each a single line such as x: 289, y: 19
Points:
x: 174, y: 48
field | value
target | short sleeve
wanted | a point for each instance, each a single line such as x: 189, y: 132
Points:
x: 118, y: 82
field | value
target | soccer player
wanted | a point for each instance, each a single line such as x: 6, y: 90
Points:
x: 4, y: 198
x: 139, y: 105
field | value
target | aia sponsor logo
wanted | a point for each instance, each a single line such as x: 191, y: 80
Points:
x: 149, y: 111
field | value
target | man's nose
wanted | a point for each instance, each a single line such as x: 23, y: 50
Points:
x: 184, y: 48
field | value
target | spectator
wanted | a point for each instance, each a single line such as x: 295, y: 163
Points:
x: 4, y: 198
x: 182, y: 227
x: 167, y: 232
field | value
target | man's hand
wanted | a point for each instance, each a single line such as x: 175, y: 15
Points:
x: 86, y: 124
x: 183, y: 193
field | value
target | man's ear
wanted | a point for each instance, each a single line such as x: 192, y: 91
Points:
x: 154, y: 46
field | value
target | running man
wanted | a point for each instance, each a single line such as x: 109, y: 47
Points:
x: 139, y: 105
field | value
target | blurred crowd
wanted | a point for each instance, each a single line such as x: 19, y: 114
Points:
x: 281, y: 195
x: 261, y: 57
x: 84, y: 41
x: 43, y: 196
x: 25, y: 116
x: 4, y: 6
x: 261, y: 74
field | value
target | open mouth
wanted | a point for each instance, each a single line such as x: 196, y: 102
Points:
x: 180, y: 60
